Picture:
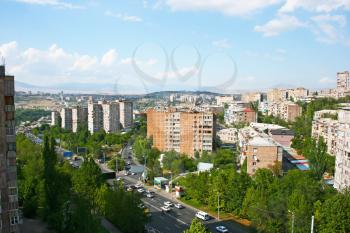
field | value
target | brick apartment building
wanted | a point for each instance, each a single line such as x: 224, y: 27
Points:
x: 286, y: 110
x: 9, y: 216
x: 236, y: 114
x: 183, y: 131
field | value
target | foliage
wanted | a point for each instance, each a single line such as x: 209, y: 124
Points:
x: 23, y: 115
x: 196, y: 227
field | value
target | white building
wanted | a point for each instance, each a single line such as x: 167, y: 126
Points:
x: 126, y: 113
x: 228, y: 135
x: 79, y: 116
x: 66, y: 116
x: 111, y: 117
x: 95, y: 117
x: 55, y: 118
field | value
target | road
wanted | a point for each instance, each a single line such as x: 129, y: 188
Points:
x: 177, y: 220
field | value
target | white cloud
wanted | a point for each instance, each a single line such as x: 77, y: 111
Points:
x: 84, y: 63
x: 149, y: 62
x: 8, y: 48
x: 331, y: 28
x: 224, y: 43
x: 109, y: 57
x: 55, y: 3
x: 327, y: 80
x: 315, y: 5
x: 124, y: 17
x: 228, y: 7
x: 281, y: 24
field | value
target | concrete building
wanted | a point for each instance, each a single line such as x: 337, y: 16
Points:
x: 9, y: 216
x: 286, y: 110
x: 182, y: 131
x: 95, y: 117
x: 225, y: 99
x: 280, y: 94
x: 325, y: 125
x: 55, y: 118
x: 235, y: 114
x: 228, y: 135
x: 66, y: 116
x: 126, y: 113
x: 111, y: 121
x: 343, y: 80
x: 252, y: 97
x: 342, y: 159
x: 262, y: 152
x: 79, y: 116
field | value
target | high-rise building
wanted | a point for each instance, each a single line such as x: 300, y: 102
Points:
x: 55, y: 118
x: 182, y: 131
x: 343, y: 80
x: 126, y: 113
x: 235, y: 114
x: 342, y: 157
x: 79, y: 116
x: 95, y: 117
x: 66, y: 116
x: 111, y: 117
x: 9, y: 216
x: 286, y: 110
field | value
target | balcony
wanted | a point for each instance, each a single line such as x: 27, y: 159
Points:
x: 9, y: 108
x: 10, y: 138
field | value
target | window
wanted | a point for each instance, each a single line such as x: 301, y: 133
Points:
x: 11, y: 146
x: 14, y: 219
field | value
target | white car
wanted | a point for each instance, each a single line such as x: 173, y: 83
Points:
x: 150, y: 195
x: 168, y: 203
x: 221, y: 229
x: 119, y: 179
x: 140, y: 190
x: 179, y: 206
x: 165, y: 208
x: 202, y: 215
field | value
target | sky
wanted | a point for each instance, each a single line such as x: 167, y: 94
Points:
x: 139, y: 46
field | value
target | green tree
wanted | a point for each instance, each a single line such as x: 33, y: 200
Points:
x: 196, y: 227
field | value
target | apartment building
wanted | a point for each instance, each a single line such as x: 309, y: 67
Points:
x: 286, y: 110
x: 95, y: 117
x: 325, y: 125
x: 343, y: 80
x: 183, y: 131
x: 9, y: 216
x: 262, y: 152
x: 280, y: 94
x: 342, y: 159
x: 235, y: 114
x: 111, y: 117
x: 66, y: 116
x: 252, y: 97
x: 228, y: 135
x: 79, y: 116
x: 126, y: 113
x: 55, y: 118
x: 225, y: 99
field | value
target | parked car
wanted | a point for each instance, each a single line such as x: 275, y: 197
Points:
x: 141, y: 206
x: 179, y: 206
x: 168, y: 203
x: 140, y: 190
x: 221, y: 229
x: 150, y: 195
x: 138, y: 186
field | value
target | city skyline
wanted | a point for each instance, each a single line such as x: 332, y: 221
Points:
x: 124, y: 47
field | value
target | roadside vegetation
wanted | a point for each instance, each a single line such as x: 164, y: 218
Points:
x: 23, y: 115
x: 71, y: 200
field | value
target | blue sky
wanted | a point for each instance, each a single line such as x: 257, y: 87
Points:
x: 198, y: 44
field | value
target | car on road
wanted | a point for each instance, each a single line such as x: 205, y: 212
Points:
x: 168, y: 203
x: 133, y: 173
x: 221, y: 229
x: 165, y: 208
x: 202, y: 215
x: 141, y: 206
x: 119, y: 179
x: 127, y: 173
x: 150, y: 195
x: 179, y: 206
x: 129, y: 189
x: 140, y: 190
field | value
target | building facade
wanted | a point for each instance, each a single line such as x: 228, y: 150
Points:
x: 95, y: 117
x: 111, y: 117
x: 181, y: 131
x: 235, y: 114
x: 79, y: 116
x: 66, y: 116
x: 228, y: 135
x: 285, y: 110
x: 55, y: 118
x: 9, y: 215
x: 126, y: 114
x: 343, y: 80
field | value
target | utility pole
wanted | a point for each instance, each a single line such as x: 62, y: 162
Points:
x: 116, y: 163
x: 312, y: 224
x: 218, y: 206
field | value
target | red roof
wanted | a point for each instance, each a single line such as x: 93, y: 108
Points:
x: 248, y: 110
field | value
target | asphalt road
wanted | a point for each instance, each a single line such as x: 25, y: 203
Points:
x: 177, y: 220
